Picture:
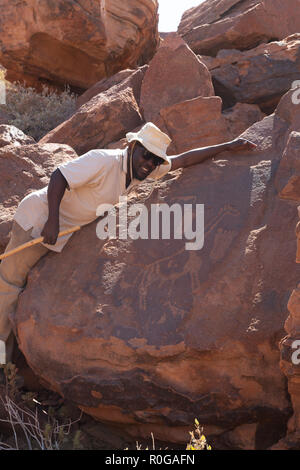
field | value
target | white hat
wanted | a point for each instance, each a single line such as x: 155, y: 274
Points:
x: 153, y: 139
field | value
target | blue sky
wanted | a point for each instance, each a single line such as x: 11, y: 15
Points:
x: 170, y: 12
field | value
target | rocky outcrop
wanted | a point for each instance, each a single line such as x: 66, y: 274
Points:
x: 149, y: 334
x: 75, y: 42
x: 260, y: 76
x: 23, y: 169
x: 238, y: 24
x: 174, y: 75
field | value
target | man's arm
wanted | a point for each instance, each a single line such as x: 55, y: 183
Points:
x: 195, y: 156
x: 56, y: 190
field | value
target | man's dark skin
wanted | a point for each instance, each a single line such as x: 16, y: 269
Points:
x: 143, y: 163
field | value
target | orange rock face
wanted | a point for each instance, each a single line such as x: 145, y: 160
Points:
x: 75, y: 42
x: 195, y: 123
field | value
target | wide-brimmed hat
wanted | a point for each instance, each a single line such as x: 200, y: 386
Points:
x: 153, y: 139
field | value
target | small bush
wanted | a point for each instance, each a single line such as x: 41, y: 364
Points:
x: 37, y: 113
x: 32, y: 426
x: 197, y: 440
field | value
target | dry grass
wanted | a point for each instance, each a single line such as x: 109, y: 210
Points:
x: 31, y: 426
x: 197, y: 440
x: 36, y: 113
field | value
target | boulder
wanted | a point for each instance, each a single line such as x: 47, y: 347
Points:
x: 260, y: 76
x: 130, y: 78
x: 175, y: 74
x: 195, y: 123
x: 103, y: 119
x: 240, y: 117
x: 23, y: 169
x: 11, y: 135
x: 75, y: 42
x: 236, y: 24
x: 148, y: 334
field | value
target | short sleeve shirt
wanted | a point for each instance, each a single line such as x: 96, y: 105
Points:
x: 97, y: 177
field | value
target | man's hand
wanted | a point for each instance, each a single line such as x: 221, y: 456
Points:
x: 240, y: 144
x: 50, y: 232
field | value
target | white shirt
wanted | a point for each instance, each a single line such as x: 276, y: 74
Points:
x: 97, y: 177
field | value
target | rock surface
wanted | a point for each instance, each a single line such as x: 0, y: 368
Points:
x: 23, y: 169
x: 175, y: 74
x: 260, y: 76
x: 195, y: 123
x: 238, y: 24
x: 287, y: 182
x: 103, y: 119
x: 288, y: 175
x: 75, y: 42
x: 133, y: 79
x: 11, y: 135
x: 240, y: 117
x: 148, y: 334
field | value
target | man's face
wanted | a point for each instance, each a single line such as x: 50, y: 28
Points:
x: 143, y: 162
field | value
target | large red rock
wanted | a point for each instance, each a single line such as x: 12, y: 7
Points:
x: 103, y: 119
x: 236, y: 24
x: 260, y: 76
x: 23, y: 169
x: 149, y: 335
x: 75, y: 42
x: 195, y: 123
x: 175, y: 74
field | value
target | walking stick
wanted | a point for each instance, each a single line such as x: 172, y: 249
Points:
x: 35, y: 241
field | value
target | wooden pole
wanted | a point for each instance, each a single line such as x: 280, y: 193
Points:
x: 35, y: 241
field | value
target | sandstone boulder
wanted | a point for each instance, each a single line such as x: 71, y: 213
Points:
x: 261, y: 76
x: 175, y: 74
x: 11, y: 135
x: 195, y: 123
x: 150, y: 335
x: 23, y: 169
x: 75, y: 42
x: 236, y: 24
x: 103, y: 119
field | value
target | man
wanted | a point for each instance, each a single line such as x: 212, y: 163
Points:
x: 75, y: 190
